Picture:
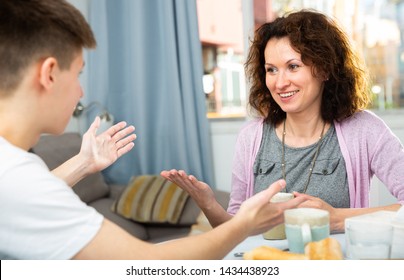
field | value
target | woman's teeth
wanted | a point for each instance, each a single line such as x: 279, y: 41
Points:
x: 288, y: 94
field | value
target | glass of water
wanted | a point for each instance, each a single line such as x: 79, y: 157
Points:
x: 367, y: 241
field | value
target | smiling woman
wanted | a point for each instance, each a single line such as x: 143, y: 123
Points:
x: 289, y: 80
x: 308, y: 88
x: 375, y: 27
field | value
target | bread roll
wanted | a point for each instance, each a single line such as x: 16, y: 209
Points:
x: 326, y: 249
x: 270, y: 253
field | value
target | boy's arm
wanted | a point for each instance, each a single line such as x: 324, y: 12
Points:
x: 255, y: 216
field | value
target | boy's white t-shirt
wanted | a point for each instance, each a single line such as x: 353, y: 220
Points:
x: 40, y: 215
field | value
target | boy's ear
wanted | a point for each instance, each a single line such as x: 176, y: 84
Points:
x: 47, y: 72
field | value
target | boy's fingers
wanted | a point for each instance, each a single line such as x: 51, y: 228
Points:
x: 293, y: 203
x: 94, y: 125
x: 273, y: 189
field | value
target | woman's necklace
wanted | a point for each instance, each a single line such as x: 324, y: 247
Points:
x: 312, y: 162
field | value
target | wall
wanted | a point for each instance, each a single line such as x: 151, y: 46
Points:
x: 216, y: 29
x: 224, y: 135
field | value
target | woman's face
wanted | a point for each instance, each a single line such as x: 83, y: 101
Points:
x: 290, y: 81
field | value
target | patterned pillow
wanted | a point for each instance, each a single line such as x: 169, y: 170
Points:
x: 151, y: 199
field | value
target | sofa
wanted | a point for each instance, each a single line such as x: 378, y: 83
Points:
x: 97, y: 193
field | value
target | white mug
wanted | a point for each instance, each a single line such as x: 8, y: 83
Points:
x: 304, y: 225
x: 278, y: 232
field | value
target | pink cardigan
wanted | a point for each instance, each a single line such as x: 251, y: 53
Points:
x: 367, y: 144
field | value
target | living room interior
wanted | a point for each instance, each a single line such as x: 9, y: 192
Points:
x: 183, y: 86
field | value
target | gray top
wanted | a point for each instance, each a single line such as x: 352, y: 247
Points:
x: 328, y: 180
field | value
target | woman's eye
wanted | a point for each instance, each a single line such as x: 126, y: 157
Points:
x: 293, y: 67
x: 271, y: 70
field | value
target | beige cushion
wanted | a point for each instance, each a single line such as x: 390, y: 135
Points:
x: 151, y: 199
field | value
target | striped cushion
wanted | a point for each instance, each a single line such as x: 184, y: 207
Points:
x: 151, y: 199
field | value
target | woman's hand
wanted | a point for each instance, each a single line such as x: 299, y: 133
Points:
x: 100, y: 151
x: 198, y: 190
x: 201, y: 193
x: 336, y: 225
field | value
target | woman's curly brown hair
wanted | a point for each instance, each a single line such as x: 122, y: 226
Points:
x: 322, y: 45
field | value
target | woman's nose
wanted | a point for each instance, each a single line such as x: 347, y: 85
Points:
x: 282, y: 80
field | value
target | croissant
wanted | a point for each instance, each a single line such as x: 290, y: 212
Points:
x: 326, y: 249
x: 270, y: 253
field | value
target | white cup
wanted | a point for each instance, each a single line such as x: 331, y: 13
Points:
x: 366, y: 241
x: 278, y: 232
x: 304, y: 225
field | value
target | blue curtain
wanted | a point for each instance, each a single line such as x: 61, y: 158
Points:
x: 147, y: 70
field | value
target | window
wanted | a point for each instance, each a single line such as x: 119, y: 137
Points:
x: 375, y: 26
x: 221, y: 33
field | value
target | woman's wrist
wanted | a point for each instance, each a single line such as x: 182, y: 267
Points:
x: 216, y: 214
x: 337, y: 223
